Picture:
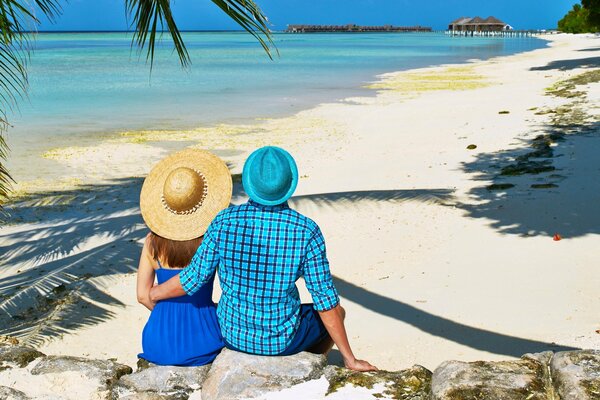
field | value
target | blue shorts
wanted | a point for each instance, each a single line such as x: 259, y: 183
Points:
x: 310, y: 332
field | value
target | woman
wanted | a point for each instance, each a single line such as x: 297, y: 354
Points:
x: 179, y: 198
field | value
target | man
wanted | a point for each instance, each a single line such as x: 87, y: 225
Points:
x: 260, y: 250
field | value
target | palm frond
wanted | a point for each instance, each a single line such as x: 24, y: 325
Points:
x: 250, y: 17
x: 6, y: 180
x: 17, y: 19
x: 149, y: 14
x: 50, y: 8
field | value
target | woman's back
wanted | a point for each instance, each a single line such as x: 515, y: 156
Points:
x: 183, y: 330
x: 202, y: 297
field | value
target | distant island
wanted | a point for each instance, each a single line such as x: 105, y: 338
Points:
x: 354, y: 28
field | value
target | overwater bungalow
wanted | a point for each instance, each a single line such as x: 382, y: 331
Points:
x: 478, y: 24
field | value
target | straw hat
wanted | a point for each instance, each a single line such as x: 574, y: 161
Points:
x: 184, y: 192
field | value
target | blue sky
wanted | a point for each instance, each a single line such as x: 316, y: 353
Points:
x: 203, y: 15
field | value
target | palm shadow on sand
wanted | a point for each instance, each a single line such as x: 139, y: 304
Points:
x: 557, y: 192
x: 64, y: 239
x: 566, y: 65
x: 549, y: 184
x: 64, y: 242
x: 53, y: 293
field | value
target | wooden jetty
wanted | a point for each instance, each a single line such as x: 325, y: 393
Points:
x: 355, y: 28
x: 510, y: 33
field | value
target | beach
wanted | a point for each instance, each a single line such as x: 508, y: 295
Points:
x: 440, y: 195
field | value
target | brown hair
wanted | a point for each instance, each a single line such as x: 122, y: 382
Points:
x: 172, y: 253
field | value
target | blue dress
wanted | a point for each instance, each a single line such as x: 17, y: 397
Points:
x: 184, y: 330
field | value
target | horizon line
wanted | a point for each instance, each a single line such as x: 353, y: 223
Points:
x: 131, y: 31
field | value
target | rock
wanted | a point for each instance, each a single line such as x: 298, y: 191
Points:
x: 148, y: 396
x: 413, y: 384
x: 106, y: 372
x: 167, y: 381
x: 12, y: 394
x: 8, y: 340
x: 576, y: 374
x: 506, y: 380
x: 142, y: 364
x: 236, y: 375
x: 544, y: 357
x: 21, y: 356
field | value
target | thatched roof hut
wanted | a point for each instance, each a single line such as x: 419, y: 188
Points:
x: 478, y: 24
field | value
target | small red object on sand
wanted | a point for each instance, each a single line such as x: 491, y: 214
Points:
x: 557, y: 237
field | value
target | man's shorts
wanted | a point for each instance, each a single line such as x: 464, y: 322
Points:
x: 311, y: 331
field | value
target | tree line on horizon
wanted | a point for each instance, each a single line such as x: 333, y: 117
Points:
x: 583, y: 18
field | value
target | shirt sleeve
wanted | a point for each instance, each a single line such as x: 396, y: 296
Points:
x: 317, y: 276
x: 203, y: 265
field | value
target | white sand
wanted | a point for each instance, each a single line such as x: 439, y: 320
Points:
x: 428, y: 270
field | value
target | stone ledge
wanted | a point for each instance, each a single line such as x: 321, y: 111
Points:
x: 507, y: 380
x: 236, y: 375
x: 26, y: 373
x: 576, y: 374
x: 161, y: 382
x: 413, y: 383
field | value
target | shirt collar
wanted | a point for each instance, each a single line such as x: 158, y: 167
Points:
x: 278, y: 207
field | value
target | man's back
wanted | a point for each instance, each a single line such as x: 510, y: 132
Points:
x: 261, y: 251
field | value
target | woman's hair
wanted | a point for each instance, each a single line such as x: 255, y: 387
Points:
x: 173, y: 253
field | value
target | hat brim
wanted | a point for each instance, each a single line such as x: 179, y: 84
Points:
x: 181, y: 227
x: 254, y: 195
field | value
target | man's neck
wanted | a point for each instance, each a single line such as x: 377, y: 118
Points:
x: 277, y: 207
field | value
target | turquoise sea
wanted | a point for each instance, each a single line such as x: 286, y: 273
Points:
x: 96, y: 83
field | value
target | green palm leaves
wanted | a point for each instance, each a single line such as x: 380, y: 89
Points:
x: 147, y: 15
x: 149, y: 18
x: 17, y: 19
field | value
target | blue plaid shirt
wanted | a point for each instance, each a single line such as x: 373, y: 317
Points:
x: 260, y: 252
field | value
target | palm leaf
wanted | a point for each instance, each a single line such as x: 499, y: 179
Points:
x: 17, y: 19
x: 249, y: 16
x: 149, y: 14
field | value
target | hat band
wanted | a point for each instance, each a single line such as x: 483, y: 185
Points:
x: 193, y: 209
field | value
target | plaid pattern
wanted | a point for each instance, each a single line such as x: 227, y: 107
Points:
x: 260, y: 252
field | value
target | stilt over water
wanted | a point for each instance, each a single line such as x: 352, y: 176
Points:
x: 510, y: 33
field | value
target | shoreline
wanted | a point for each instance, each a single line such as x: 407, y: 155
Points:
x: 444, y: 268
x: 26, y: 149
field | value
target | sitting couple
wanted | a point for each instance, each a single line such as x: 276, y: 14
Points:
x: 259, y: 249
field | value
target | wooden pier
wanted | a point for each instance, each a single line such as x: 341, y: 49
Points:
x: 355, y: 28
x: 508, y: 33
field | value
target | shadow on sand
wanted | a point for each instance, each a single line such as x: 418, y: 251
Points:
x: 54, y: 290
x: 474, y: 338
x: 63, y: 239
x: 556, y: 188
x: 63, y: 243
x: 566, y: 65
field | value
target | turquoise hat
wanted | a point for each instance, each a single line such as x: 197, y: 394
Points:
x: 270, y: 176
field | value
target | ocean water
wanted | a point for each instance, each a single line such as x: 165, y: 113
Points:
x: 91, y: 84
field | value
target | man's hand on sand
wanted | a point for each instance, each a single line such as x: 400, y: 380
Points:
x: 360, y: 365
